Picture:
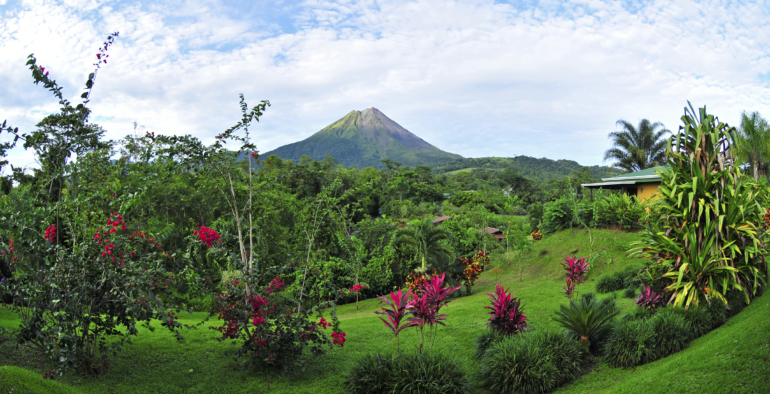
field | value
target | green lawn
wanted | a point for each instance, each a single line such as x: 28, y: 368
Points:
x: 157, y: 363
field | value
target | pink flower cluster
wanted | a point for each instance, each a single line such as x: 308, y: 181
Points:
x: 275, y: 285
x: 357, y: 288
x: 50, y: 233
x: 207, y: 236
x: 338, y: 338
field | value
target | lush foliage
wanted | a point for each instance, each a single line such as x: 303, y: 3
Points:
x: 426, y: 373
x: 709, y: 242
x: 535, y: 362
x: 588, y: 319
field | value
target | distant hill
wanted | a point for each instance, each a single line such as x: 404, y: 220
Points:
x: 540, y: 169
x: 363, y: 139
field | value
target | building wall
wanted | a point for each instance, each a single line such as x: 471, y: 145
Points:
x: 646, y: 190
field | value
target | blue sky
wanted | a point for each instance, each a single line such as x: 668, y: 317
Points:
x: 478, y: 78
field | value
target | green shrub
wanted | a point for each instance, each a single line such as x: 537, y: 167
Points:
x: 717, y: 311
x: 618, y: 280
x: 425, y: 373
x: 629, y: 343
x: 736, y: 301
x: 619, y: 210
x: 699, y: 319
x: 557, y: 215
x: 228, y: 277
x: 486, y: 340
x: 589, y: 319
x: 673, y: 333
x: 535, y: 362
x: 631, y: 292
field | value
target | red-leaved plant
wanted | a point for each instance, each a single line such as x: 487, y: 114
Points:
x: 648, y: 299
x: 575, y: 271
x: 425, y: 307
x: 396, y: 313
x: 507, y: 316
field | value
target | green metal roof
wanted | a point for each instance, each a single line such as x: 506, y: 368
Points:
x: 648, y: 175
x: 647, y: 171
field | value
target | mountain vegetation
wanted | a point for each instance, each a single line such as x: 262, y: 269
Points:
x: 363, y: 139
x: 542, y: 169
x: 159, y: 263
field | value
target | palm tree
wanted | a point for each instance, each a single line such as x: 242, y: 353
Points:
x: 430, y: 242
x: 638, y: 148
x: 753, y: 142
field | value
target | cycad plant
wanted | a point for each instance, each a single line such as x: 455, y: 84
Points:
x: 707, y: 242
x: 588, y: 319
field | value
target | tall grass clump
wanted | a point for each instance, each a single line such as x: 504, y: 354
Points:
x: 535, y: 362
x: 426, y: 373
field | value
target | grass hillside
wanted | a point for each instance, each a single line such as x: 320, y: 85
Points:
x: 735, y: 356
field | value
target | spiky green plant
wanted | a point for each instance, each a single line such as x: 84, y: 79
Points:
x: 708, y: 242
x: 588, y: 318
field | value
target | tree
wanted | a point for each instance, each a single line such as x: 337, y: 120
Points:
x: 427, y: 239
x: 753, y: 141
x: 638, y: 148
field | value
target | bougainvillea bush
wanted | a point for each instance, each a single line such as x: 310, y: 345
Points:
x: 93, y: 282
x: 270, y: 331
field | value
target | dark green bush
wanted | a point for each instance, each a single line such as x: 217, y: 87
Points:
x: 644, y: 336
x: 618, y: 280
x: 427, y: 373
x: 629, y: 343
x: 672, y: 334
x: 486, y: 341
x: 699, y: 319
x: 535, y: 362
x: 736, y: 301
x: 631, y: 292
x: 717, y: 311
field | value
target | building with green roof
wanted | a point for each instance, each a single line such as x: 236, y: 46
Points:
x: 642, y: 184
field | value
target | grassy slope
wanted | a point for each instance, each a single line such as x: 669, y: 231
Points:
x: 157, y: 363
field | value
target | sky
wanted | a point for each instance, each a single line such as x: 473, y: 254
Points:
x: 474, y: 77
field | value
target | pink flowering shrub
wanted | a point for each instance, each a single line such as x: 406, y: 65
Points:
x: 207, y: 236
x: 269, y: 331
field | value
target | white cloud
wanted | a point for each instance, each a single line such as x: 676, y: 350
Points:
x: 472, y: 77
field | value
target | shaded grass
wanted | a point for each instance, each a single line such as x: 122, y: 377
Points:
x: 157, y: 363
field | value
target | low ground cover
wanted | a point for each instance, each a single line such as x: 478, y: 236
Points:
x: 731, y: 356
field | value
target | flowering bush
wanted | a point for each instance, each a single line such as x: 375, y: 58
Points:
x: 72, y: 295
x: 207, y: 236
x: 357, y: 289
x: 270, y: 331
x: 506, y: 314
x: 473, y: 269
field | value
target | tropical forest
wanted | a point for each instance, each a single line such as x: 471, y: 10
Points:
x: 366, y: 260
